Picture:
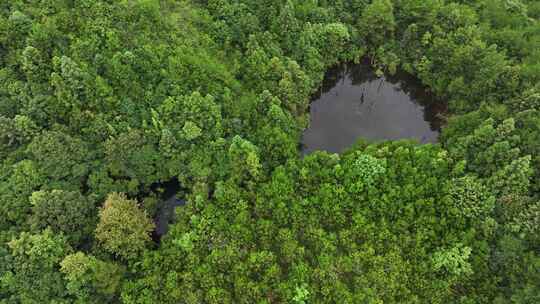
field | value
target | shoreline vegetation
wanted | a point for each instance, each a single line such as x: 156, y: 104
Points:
x: 100, y: 101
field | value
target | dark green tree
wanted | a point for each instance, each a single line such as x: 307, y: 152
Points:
x: 66, y: 212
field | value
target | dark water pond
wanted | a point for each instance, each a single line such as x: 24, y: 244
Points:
x: 355, y: 103
x: 165, y: 212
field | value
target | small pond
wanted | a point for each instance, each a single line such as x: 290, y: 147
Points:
x: 166, y: 208
x: 355, y: 103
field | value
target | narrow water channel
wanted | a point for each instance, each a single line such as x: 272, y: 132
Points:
x: 166, y: 210
x: 354, y: 103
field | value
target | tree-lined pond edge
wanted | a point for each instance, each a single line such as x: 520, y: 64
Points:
x: 354, y: 102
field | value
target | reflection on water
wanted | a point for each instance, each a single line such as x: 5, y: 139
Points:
x: 354, y: 103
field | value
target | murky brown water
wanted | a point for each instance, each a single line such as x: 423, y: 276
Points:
x: 354, y: 103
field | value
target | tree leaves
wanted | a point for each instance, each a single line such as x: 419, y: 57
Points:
x: 123, y: 228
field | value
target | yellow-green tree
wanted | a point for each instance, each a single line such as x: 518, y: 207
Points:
x: 123, y: 228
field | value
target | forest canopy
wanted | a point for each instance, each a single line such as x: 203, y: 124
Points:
x: 104, y: 102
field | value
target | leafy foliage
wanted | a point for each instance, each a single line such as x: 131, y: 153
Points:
x: 66, y: 212
x: 34, y: 269
x: 101, y: 102
x: 123, y: 228
x: 89, y: 279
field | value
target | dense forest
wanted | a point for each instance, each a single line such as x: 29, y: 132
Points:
x: 102, y: 102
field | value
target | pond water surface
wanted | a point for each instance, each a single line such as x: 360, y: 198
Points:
x: 355, y: 103
x: 166, y: 209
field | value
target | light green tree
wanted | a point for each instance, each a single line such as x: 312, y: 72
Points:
x: 123, y: 228
x: 34, y: 275
x: 91, y: 280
